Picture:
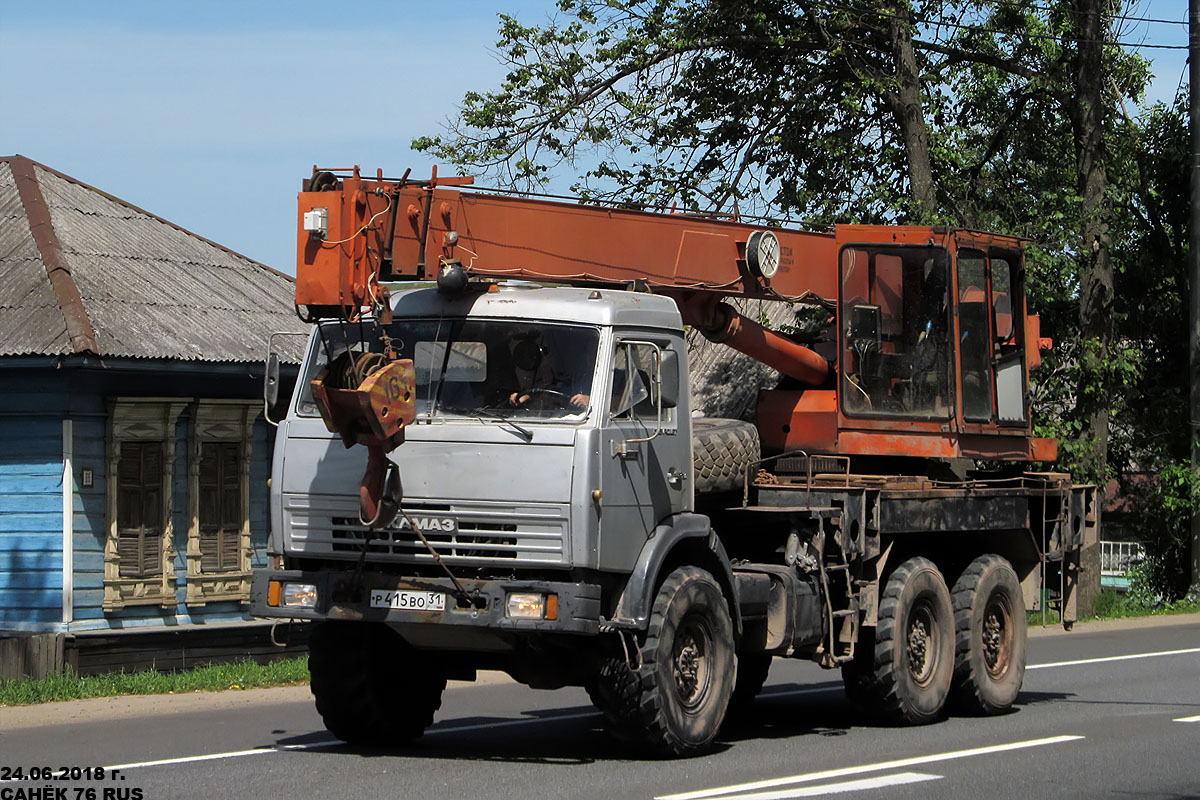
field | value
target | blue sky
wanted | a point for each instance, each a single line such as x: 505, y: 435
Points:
x: 209, y: 114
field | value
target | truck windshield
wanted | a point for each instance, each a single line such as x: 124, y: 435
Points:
x: 477, y: 367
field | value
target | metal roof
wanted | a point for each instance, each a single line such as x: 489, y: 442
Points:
x: 84, y: 272
x: 530, y: 301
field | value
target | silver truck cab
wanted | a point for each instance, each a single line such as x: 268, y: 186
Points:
x: 552, y: 443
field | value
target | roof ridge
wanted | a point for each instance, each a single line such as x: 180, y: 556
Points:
x: 80, y: 329
x: 20, y: 158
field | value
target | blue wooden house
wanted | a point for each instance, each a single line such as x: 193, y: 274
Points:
x: 134, y: 455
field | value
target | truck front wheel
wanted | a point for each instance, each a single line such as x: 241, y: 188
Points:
x: 989, y: 621
x: 688, y: 671
x: 675, y: 701
x: 370, y: 686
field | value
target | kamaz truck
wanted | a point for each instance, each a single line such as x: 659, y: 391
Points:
x: 492, y: 462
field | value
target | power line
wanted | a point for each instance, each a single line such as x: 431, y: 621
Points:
x: 1019, y: 34
x: 1126, y: 17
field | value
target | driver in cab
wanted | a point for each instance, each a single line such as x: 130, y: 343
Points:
x: 538, y: 387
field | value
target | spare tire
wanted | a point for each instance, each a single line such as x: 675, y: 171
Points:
x: 722, y: 451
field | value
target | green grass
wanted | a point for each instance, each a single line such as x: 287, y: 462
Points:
x: 1114, y: 605
x: 214, y: 678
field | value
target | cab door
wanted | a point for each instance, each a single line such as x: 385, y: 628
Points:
x: 645, y: 464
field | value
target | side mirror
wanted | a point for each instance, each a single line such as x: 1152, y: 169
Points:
x: 271, y: 381
x: 669, y: 370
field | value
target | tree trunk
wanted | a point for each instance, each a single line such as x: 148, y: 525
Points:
x: 1087, y: 109
x: 908, y: 107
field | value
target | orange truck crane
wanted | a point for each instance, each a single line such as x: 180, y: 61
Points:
x: 539, y: 496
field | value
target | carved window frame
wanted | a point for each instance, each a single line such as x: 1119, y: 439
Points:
x: 220, y: 421
x: 141, y: 419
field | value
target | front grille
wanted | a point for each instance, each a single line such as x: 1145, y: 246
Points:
x: 472, y: 540
x: 481, y: 534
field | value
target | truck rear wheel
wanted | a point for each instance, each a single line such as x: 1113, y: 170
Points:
x: 902, y: 674
x: 722, y: 450
x: 990, y: 637
x: 370, y: 686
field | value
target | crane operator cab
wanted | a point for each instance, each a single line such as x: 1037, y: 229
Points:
x: 927, y: 333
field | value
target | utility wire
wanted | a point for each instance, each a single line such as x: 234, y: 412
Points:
x: 1017, y: 34
x: 1126, y: 17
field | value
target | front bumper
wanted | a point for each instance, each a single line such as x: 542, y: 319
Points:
x: 340, y: 596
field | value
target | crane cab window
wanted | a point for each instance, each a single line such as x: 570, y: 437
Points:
x: 974, y: 336
x: 894, y: 323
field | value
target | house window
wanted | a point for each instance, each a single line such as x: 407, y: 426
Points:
x: 220, y: 518
x: 139, y: 510
x: 219, y: 456
x: 139, y: 562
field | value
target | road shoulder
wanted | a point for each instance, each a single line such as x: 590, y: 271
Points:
x: 129, y: 706
x: 1129, y: 623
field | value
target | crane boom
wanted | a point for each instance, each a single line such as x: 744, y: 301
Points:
x: 927, y: 343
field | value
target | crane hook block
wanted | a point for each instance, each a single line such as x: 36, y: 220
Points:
x: 376, y: 411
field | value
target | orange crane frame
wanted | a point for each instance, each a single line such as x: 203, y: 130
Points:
x: 356, y: 233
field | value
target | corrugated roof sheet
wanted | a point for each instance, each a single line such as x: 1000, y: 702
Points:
x: 31, y: 321
x: 150, y: 289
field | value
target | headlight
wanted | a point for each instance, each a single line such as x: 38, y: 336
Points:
x: 303, y: 595
x: 527, y: 606
x: 532, y: 606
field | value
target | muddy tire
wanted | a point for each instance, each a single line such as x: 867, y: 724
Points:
x: 722, y: 450
x: 687, y: 672
x: 752, y: 672
x: 905, y: 676
x: 989, y: 642
x: 370, y: 686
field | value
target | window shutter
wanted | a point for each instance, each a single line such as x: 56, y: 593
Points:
x: 220, y: 506
x: 139, y: 509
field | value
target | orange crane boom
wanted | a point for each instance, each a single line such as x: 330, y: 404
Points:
x: 357, y: 233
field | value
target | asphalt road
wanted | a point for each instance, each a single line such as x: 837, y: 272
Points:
x: 1105, y: 712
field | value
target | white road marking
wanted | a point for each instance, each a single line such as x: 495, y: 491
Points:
x: 858, y: 770
x: 258, y: 751
x: 283, y: 748
x: 1131, y: 657
x: 862, y: 784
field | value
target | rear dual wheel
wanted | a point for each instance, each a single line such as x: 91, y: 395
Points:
x: 990, y: 637
x: 902, y: 673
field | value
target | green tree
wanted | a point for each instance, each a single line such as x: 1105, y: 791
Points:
x: 998, y: 114
x: 1150, y: 246
x: 806, y: 107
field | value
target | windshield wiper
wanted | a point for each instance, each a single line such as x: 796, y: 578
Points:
x: 488, y: 415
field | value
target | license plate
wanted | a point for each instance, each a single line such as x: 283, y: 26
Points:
x: 407, y: 600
